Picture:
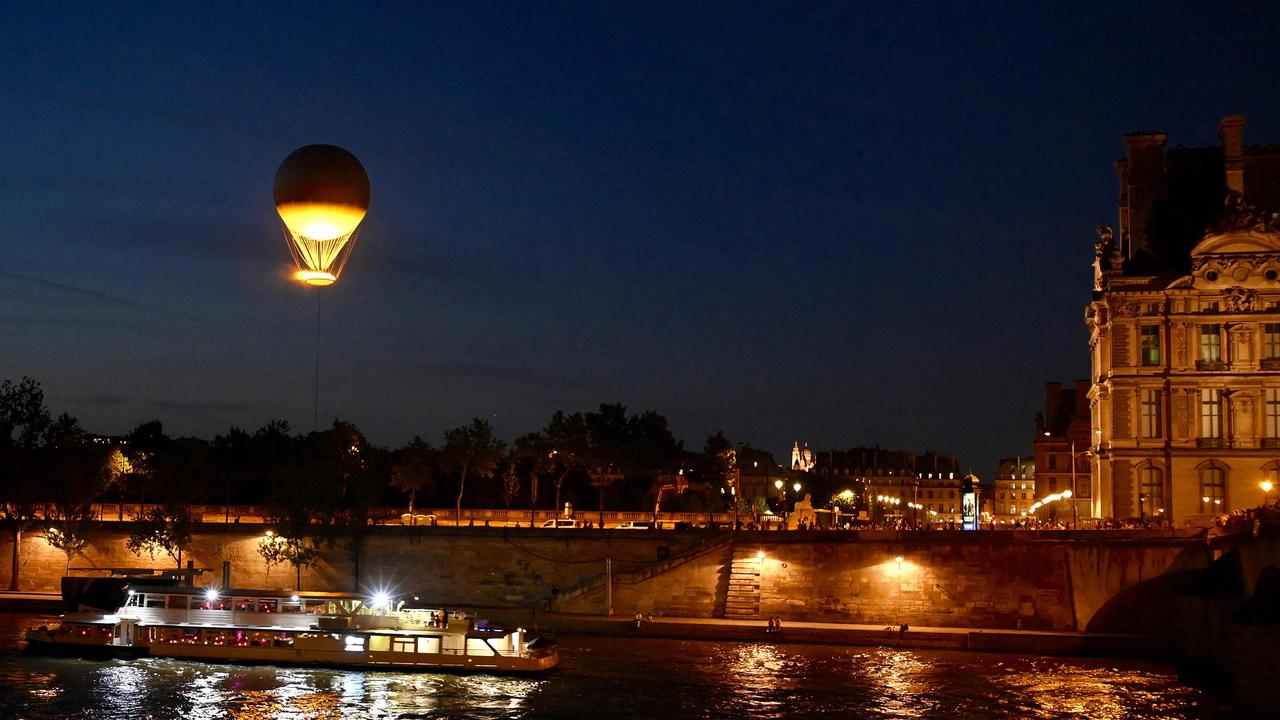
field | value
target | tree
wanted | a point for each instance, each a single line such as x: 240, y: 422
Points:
x: 300, y: 552
x: 414, y: 470
x: 163, y: 529
x: 75, y: 473
x: 146, y: 443
x: 23, y: 420
x: 330, y: 491
x: 470, y: 448
x: 556, y: 450
x: 510, y: 482
x: 118, y: 469
x: 719, y: 468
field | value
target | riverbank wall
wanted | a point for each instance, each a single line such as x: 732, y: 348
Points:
x: 1105, y: 581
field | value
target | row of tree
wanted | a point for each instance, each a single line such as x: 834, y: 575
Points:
x: 326, y: 488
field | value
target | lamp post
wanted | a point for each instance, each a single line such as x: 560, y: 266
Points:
x: 1266, y: 490
x: 782, y: 492
x: 1075, y: 491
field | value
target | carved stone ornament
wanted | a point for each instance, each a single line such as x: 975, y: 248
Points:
x: 1236, y: 214
x: 1179, y: 415
x: 1123, y: 308
x: 1180, y: 343
x: 1238, y: 299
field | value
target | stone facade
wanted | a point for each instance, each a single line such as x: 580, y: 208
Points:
x: 1014, y: 491
x: 1185, y: 332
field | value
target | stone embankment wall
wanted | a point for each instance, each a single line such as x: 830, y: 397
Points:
x: 1092, y: 581
x: 1100, y: 582
x: 518, y: 568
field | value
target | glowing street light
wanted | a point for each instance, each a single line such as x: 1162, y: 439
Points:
x: 1266, y: 490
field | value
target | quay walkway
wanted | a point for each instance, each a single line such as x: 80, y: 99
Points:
x: 1024, y: 642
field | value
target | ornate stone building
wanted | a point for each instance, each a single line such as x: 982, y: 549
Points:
x: 1185, y: 331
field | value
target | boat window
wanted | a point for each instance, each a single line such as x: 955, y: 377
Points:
x: 178, y: 602
x: 155, y: 601
x: 290, y: 606
x: 381, y: 643
x: 402, y: 644
x: 479, y: 647
x: 268, y: 605
x: 314, y: 607
x: 243, y: 604
x: 354, y: 643
x: 429, y: 645
x: 135, y: 600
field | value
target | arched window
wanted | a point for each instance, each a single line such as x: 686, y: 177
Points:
x: 1152, y: 488
x: 1213, y: 487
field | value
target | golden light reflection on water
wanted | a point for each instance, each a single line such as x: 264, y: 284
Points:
x: 1101, y: 693
x: 268, y: 705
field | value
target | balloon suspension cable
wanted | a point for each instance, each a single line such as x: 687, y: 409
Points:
x: 315, y: 412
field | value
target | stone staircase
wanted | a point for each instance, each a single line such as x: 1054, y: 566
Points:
x: 595, y: 583
x: 743, y: 599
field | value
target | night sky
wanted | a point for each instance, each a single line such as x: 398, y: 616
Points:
x: 842, y: 224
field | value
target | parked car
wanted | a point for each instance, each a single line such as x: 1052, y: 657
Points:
x: 560, y: 523
x: 634, y: 525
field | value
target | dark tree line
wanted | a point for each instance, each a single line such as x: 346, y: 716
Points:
x: 325, y: 489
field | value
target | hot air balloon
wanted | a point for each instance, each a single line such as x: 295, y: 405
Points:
x: 322, y: 194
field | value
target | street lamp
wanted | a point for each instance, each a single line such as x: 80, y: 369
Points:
x: 1266, y: 490
x: 782, y: 491
x: 1075, y: 516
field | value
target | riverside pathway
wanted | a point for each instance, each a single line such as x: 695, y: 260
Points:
x: 1034, y: 642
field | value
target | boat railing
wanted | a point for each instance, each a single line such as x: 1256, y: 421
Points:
x: 220, y: 617
x: 472, y: 652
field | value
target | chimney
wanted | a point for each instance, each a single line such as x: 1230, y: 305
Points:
x: 1052, y: 404
x: 1231, y: 130
x: 1082, y: 400
x: 1142, y: 180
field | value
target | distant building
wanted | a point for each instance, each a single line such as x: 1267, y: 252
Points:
x: 757, y: 473
x: 801, y: 458
x: 1062, y: 440
x: 1185, y: 331
x: 930, y: 480
x: 1015, y: 489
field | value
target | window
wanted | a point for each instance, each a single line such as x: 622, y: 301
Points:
x: 1210, y: 413
x: 1213, y: 488
x: 1152, y: 488
x: 1271, y: 341
x: 1272, y: 410
x: 1210, y: 343
x: 1150, y: 345
x: 1150, y: 413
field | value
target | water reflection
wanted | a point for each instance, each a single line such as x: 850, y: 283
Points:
x: 615, y: 679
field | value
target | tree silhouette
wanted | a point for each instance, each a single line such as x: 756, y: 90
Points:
x: 470, y: 448
x: 414, y: 470
x: 23, y: 419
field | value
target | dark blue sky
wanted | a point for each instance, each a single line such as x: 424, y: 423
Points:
x: 844, y: 224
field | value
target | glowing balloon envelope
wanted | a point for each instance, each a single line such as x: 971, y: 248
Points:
x: 322, y: 193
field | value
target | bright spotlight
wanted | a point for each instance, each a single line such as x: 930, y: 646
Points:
x: 211, y: 594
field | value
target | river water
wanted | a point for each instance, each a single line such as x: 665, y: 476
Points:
x: 611, y: 678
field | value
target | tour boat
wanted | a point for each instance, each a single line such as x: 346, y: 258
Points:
x: 153, y: 618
